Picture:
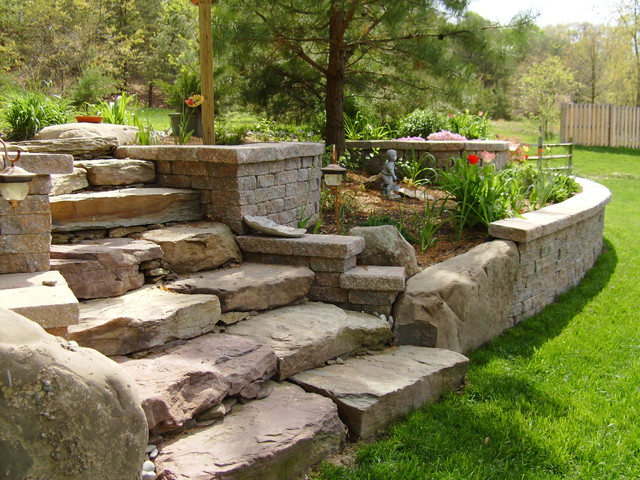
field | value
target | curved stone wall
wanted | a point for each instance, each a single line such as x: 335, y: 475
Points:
x: 371, y: 153
x: 463, y: 302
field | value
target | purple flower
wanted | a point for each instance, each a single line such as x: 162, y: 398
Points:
x: 412, y: 139
x: 445, y: 135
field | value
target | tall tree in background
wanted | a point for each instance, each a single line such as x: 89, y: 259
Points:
x: 629, y: 17
x: 327, y: 43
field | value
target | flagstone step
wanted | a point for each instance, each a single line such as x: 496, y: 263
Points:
x: 104, y: 267
x: 249, y: 287
x: 185, y: 379
x: 118, y: 172
x: 142, y: 319
x: 123, y: 208
x: 276, y: 438
x: 307, y: 335
x: 373, y: 391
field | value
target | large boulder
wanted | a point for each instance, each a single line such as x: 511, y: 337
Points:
x: 461, y: 303
x: 196, y: 246
x: 125, y: 134
x: 65, y: 411
x: 385, y: 246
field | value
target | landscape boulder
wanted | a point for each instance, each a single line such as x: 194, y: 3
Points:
x: 125, y: 134
x: 385, y: 246
x: 197, y: 246
x: 461, y: 303
x: 65, y: 411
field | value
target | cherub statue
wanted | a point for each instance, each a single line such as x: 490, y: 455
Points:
x: 389, y: 175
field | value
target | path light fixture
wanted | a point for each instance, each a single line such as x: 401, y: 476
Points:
x: 14, y: 181
x: 334, y: 176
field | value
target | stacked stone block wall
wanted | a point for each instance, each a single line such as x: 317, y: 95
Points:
x: 557, y: 246
x: 278, y: 181
x: 333, y: 260
x: 373, y: 152
x: 25, y: 232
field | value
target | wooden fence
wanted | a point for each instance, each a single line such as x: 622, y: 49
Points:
x: 601, y: 125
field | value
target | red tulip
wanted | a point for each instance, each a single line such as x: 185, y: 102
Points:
x: 473, y: 159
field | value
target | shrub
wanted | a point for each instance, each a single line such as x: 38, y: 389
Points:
x: 468, y: 125
x: 187, y: 84
x: 27, y: 113
x: 421, y: 123
x: 91, y: 86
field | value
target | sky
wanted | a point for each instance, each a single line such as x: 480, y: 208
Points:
x: 552, y: 12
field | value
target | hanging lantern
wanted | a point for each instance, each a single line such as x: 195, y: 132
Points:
x: 14, y: 181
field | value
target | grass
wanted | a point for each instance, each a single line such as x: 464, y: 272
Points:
x: 557, y: 396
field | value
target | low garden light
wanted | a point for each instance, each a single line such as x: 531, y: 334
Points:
x: 14, y: 181
x: 333, y: 173
x: 333, y: 176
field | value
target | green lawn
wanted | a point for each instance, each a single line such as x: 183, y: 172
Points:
x: 556, y: 397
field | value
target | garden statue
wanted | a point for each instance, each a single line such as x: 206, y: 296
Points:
x: 389, y: 176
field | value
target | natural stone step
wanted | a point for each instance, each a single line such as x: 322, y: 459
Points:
x: 123, y: 208
x: 142, y: 319
x: 306, y: 336
x: 373, y: 391
x: 43, y: 297
x: 118, y: 172
x: 276, y: 438
x: 327, y: 246
x: 105, y: 267
x: 251, y: 286
x: 183, y: 380
x: 196, y: 246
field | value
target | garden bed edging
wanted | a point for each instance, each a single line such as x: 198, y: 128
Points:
x: 465, y: 301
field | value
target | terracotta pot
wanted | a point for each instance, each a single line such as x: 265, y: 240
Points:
x: 89, y: 119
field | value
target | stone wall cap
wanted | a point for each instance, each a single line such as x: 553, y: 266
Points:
x: 310, y: 245
x: 45, y: 163
x: 234, y: 154
x: 530, y: 226
x: 376, y: 278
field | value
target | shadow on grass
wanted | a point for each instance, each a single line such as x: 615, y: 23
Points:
x: 634, y: 152
x: 526, y: 337
x: 493, y: 429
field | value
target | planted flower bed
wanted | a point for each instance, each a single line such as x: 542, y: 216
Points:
x: 445, y: 212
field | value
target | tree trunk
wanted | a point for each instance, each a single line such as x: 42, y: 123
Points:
x: 334, y: 129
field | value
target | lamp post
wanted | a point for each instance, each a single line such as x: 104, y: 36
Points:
x: 333, y: 176
x: 14, y: 181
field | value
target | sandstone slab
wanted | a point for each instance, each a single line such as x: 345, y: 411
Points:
x: 250, y: 286
x: 385, y: 246
x: 373, y: 391
x: 105, y: 267
x: 277, y: 438
x: 461, y: 303
x: 123, y: 208
x: 118, y: 172
x: 82, y: 147
x: 142, y: 319
x: 196, y: 246
x: 376, y: 278
x: 64, y: 184
x: 43, y: 297
x: 125, y: 134
x: 268, y: 226
x: 186, y: 379
x: 65, y: 412
x: 306, y: 336
x: 325, y: 246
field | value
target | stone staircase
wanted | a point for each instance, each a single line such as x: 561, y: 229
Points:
x: 254, y: 356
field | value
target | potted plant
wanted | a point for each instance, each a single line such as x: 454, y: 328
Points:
x: 183, y: 96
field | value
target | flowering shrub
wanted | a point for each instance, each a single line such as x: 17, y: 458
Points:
x: 445, y: 135
x: 412, y: 139
x: 469, y: 125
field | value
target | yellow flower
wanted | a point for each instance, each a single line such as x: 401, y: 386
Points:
x: 194, y: 100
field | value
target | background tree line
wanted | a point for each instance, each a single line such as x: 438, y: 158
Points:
x: 312, y: 60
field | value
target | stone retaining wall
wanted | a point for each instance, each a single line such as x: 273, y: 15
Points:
x: 373, y: 152
x: 557, y: 246
x: 280, y: 181
x: 25, y: 233
x: 463, y: 302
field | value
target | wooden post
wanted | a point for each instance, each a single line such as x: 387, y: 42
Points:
x: 206, y: 72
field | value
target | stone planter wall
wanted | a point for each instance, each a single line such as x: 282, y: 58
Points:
x: 463, y: 302
x: 280, y: 181
x: 26, y: 231
x: 373, y: 152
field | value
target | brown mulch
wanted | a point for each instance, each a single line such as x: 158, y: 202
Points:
x: 361, y: 204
